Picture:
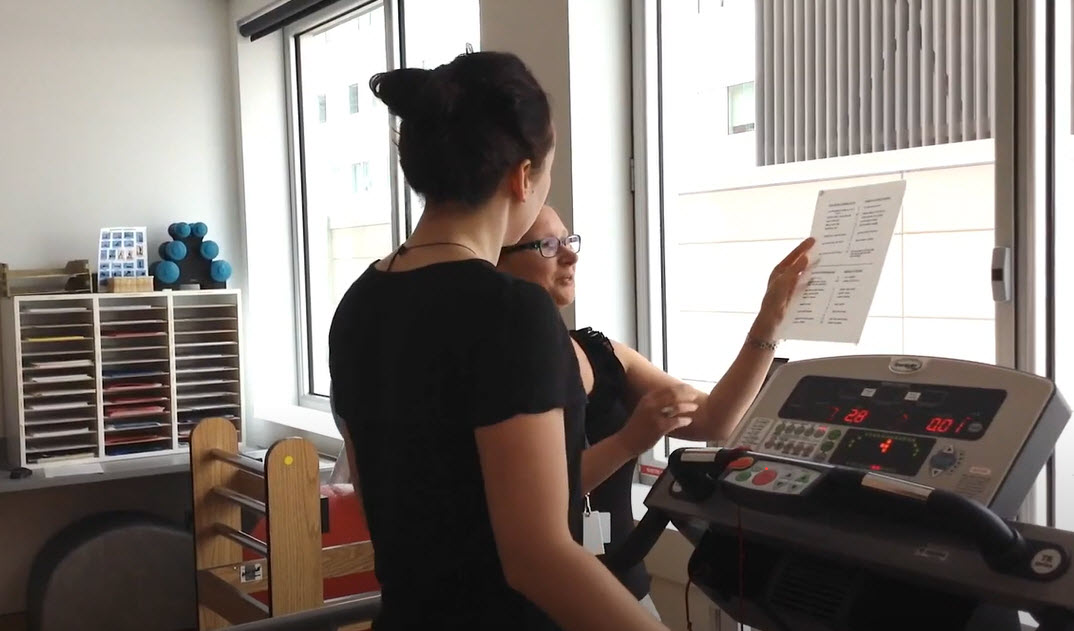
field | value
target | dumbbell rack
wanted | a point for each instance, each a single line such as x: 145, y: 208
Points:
x: 92, y: 378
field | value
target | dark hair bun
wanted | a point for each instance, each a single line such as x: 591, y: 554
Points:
x: 401, y: 89
x: 466, y: 123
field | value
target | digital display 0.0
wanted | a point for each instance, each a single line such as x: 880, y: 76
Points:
x: 918, y: 409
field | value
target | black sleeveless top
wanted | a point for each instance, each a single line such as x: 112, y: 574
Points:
x: 606, y: 413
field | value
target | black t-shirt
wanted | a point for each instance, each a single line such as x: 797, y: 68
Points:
x: 419, y: 359
x: 606, y: 413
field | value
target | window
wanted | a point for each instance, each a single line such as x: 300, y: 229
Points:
x: 346, y: 209
x: 352, y: 97
x: 428, y: 46
x: 804, y: 114
x: 360, y: 181
x: 1063, y: 235
x: 740, y: 114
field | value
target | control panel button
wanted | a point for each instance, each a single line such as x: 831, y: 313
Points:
x: 944, y: 459
x: 798, y: 429
x: 770, y: 444
x: 935, y: 472
x: 780, y: 485
x: 835, y: 434
x: 740, y: 463
x: 1046, y: 561
x: 827, y: 445
x: 817, y: 433
x: 757, y: 467
x: 795, y: 487
x: 808, y: 451
x: 804, y: 478
x: 780, y: 428
x: 764, y: 477
x: 743, y: 476
x: 779, y: 444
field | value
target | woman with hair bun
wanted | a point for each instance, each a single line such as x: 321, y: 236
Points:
x: 456, y: 385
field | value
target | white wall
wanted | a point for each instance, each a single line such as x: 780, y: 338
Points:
x: 265, y: 198
x: 580, y: 52
x: 538, y: 33
x: 114, y: 113
x: 117, y: 112
x: 601, y: 148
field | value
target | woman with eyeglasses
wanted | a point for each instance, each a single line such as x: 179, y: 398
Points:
x: 631, y: 403
x: 456, y: 385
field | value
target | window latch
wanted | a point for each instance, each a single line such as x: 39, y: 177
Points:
x: 1002, y: 276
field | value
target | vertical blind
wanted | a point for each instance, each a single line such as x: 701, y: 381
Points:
x: 849, y: 77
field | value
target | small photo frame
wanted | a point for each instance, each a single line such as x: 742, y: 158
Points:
x: 122, y: 253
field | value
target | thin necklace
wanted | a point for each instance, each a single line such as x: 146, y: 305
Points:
x: 403, y: 248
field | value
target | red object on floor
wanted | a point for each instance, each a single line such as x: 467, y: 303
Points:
x: 346, y: 523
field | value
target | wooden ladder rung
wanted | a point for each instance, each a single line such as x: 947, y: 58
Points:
x: 336, y: 561
x: 244, y: 463
x: 240, y: 498
x: 247, y: 541
x: 222, y: 598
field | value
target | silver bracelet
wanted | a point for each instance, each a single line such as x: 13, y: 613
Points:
x: 764, y: 345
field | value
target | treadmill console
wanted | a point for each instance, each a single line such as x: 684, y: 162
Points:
x: 978, y: 430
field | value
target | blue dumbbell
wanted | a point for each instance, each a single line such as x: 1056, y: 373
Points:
x: 209, y: 250
x: 220, y: 271
x: 167, y: 272
x: 172, y: 250
x: 179, y: 230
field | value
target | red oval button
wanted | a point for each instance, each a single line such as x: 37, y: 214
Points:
x: 740, y: 463
x: 764, y: 477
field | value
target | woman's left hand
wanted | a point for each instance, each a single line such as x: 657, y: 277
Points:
x: 782, y: 283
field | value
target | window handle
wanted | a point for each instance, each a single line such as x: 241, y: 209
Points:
x: 1002, y: 278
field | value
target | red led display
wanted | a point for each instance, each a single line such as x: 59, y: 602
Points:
x: 856, y: 416
x: 939, y: 425
x: 914, y: 409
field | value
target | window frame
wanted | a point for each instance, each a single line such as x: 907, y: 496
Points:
x: 354, y: 98
x: 323, y: 20
x: 1018, y: 225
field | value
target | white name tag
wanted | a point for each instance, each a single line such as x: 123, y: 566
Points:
x: 596, y: 531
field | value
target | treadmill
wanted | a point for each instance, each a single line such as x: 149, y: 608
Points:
x: 874, y: 493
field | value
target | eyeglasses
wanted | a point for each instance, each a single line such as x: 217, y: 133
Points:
x: 548, y: 246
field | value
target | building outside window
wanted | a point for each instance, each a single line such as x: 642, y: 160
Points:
x: 748, y: 142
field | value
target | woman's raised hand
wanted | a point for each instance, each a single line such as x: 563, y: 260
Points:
x: 782, y: 283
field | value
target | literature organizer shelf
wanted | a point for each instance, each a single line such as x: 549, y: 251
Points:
x: 108, y: 376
